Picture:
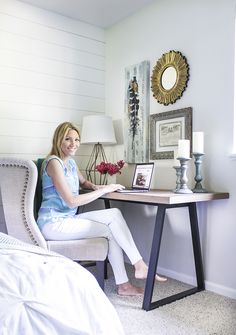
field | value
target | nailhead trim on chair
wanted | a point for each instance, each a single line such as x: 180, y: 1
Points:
x: 23, y: 199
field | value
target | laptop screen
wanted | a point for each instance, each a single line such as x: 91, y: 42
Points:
x: 143, y: 176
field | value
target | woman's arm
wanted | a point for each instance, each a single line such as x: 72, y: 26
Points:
x: 55, y: 171
x: 86, y: 184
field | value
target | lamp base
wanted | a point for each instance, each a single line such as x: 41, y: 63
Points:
x: 97, y: 156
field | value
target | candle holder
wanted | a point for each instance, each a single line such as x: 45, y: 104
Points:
x: 178, y: 177
x: 198, y: 177
x: 183, y: 178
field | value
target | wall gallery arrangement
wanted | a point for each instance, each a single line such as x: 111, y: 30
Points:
x: 163, y: 130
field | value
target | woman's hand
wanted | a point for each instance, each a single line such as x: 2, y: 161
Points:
x: 112, y: 188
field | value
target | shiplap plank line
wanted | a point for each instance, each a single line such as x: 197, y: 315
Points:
x: 46, y: 82
x: 50, y: 107
x: 21, y: 60
x: 57, y: 52
x: 18, y: 93
x: 11, y: 110
x: 27, y: 129
x: 58, y: 37
x: 21, y: 145
x: 51, y: 20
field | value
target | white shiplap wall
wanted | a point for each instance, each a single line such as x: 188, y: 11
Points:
x: 52, y: 69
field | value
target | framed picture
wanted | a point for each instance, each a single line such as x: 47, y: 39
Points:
x: 166, y: 129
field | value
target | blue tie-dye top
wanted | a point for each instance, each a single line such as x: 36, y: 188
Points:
x: 53, y: 207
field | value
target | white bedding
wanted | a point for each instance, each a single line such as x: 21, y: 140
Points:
x: 42, y: 293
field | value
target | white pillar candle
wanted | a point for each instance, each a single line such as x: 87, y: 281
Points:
x: 198, y: 142
x: 184, y: 148
x: 176, y: 161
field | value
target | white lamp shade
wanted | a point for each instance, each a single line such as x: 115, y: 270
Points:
x: 97, y: 129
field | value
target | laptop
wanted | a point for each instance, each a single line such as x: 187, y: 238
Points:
x: 141, y: 179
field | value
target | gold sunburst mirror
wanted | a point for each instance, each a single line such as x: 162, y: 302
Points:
x: 169, y: 77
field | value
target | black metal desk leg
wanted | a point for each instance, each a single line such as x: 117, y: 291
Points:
x: 107, y: 206
x: 196, y: 245
x: 107, y: 203
x: 160, y: 216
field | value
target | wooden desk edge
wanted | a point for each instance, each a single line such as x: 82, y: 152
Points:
x: 165, y: 197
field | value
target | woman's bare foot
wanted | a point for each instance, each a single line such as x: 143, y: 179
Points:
x: 127, y: 289
x: 141, y: 271
x: 161, y: 279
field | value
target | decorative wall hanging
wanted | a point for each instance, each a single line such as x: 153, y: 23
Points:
x: 166, y: 129
x: 170, y: 77
x: 136, y: 129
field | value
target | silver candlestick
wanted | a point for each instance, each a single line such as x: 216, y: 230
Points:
x: 183, y: 179
x: 198, y: 177
x: 178, y: 177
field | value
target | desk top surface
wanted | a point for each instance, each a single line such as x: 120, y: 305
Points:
x: 165, y: 197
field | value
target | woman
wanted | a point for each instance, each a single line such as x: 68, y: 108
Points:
x: 57, y: 218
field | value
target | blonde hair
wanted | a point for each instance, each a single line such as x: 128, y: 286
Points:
x: 59, y: 135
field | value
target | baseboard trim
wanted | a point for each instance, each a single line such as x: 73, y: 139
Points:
x: 220, y: 289
x: 210, y: 286
x: 177, y: 275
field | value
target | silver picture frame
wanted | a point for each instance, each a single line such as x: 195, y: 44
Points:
x: 166, y: 129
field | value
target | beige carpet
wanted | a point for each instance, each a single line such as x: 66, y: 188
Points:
x: 204, y: 313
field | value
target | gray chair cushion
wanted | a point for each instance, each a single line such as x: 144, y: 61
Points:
x: 85, y: 249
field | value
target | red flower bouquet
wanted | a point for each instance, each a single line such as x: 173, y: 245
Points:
x: 106, y: 168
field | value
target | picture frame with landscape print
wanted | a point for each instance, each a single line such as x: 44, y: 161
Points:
x: 166, y: 129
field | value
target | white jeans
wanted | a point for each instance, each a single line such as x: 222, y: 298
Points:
x: 107, y: 223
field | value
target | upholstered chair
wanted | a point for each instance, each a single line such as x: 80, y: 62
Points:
x: 18, y: 179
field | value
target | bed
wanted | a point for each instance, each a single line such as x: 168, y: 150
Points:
x: 45, y: 293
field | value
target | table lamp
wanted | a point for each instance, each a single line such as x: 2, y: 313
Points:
x: 97, y: 130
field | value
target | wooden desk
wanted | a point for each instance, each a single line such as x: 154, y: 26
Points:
x: 164, y: 200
